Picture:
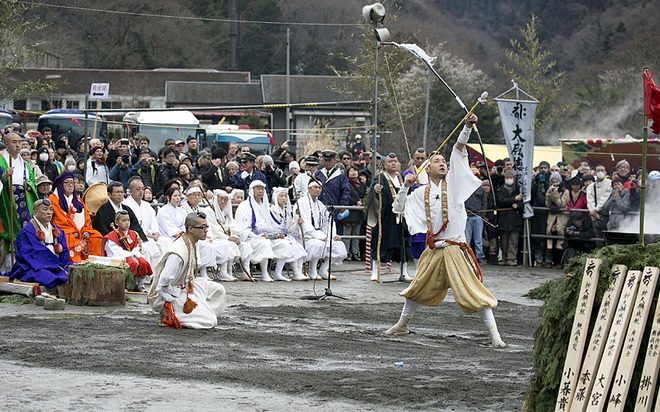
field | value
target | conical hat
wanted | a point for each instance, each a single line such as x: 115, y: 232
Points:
x: 95, y: 196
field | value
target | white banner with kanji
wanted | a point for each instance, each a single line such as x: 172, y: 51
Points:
x: 517, y: 118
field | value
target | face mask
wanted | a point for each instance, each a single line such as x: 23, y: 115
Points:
x: 71, y: 168
x: 509, y: 182
x: 43, y: 157
x: 600, y: 175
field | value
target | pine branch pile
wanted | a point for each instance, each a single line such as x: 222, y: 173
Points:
x: 560, y: 296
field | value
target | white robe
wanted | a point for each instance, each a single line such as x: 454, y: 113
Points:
x: 222, y: 229
x: 263, y: 247
x: 316, y: 228
x: 461, y: 183
x: 170, y: 278
x: 146, y: 217
x: 286, y: 223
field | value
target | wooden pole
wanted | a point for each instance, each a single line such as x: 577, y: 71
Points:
x: 569, y: 376
x: 380, y: 228
x: 96, y: 118
x: 10, y: 191
x: 642, y: 186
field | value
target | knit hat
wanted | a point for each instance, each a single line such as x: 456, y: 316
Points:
x: 294, y: 165
x: 556, y: 176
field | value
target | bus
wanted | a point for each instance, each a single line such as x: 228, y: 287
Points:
x: 71, y: 122
x: 220, y: 135
x: 160, y: 126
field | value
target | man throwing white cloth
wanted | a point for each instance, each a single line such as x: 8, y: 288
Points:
x: 438, y: 210
x: 184, y: 299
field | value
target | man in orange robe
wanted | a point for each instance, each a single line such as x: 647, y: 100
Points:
x: 71, y: 216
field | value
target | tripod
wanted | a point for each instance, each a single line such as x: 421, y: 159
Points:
x: 328, y: 292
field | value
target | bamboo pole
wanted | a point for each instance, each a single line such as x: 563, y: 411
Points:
x: 642, y: 185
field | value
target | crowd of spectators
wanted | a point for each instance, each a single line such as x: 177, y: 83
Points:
x: 572, y: 207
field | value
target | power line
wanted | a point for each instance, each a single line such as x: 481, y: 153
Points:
x: 166, y: 16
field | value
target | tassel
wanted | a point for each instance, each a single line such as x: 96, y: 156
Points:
x: 429, y: 239
x: 189, y: 305
x: 169, y: 318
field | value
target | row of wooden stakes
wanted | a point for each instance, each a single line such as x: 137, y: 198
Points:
x: 600, y: 379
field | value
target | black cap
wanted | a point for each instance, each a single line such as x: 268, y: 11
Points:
x: 312, y: 160
x: 247, y: 156
x: 60, y: 144
x: 499, y: 162
x: 191, y: 138
x: 391, y: 155
x: 328, y: 154
x: 481, y: 164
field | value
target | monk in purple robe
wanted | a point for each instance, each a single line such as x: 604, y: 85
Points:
x: 41, y: 252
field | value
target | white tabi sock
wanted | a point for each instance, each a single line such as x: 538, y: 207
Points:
x: 374, y: 270
x: 278, y: 271
x: 264, y: 271
x: 488, y: 318
x: 313, y: 274
x: 297, y: 270
x: 406, y: 276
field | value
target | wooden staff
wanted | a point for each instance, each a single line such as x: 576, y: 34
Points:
x: 12, y: 246
x: 380, y: 227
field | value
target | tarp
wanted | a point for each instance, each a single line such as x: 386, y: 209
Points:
x: 551, y: 154
x: 610, y: 151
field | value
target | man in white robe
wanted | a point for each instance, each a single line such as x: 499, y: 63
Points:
x: 260, y: 231
x: 223, y: 227
x: 185, y: 299
x: 146, y: 217
x: 316, y: 229
x: 439, y: 210
x: 208, y: 252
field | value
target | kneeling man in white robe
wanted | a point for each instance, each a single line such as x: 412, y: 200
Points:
x: 184, y: 299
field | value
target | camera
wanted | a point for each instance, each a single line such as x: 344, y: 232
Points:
x: 570, y: 231
x: 500, y: 169
x: 125, y: 159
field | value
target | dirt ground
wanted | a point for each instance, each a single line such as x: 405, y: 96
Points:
x: 273, y: 351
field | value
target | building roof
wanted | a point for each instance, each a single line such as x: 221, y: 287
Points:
x: 122, y: 82
x: 212, y: 93
x: 305, y: 89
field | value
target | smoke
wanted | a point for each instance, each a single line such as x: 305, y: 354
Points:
x: 630, y: 224
x: 607, y: 110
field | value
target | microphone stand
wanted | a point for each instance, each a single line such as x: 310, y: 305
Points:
x: 328, y: 292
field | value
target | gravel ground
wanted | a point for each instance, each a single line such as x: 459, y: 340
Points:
x: 273, y: 351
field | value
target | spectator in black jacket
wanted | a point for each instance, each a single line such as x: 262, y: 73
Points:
x: 490, y: 219
x: 540, y: 185
x: 353, y: 222
x: 274, y: 175
x: 578, y: 232
x: 146, y: 170
x: 510, y: 219
x: 45, y: 165
x: 167, y: 170
x: 475, y: 207
x: 217, y: 176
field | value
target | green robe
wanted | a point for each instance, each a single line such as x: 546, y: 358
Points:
x: 6, y: 196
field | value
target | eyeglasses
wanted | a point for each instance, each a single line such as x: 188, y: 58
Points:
x: 68, y: 182
x: 345, y: 158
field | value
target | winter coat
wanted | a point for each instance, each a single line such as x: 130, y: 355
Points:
x: 556, y: 199
x: 509, y: 220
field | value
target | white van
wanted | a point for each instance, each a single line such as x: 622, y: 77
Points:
x: 160, y: 126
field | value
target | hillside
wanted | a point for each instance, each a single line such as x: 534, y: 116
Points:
x: 601, y: 45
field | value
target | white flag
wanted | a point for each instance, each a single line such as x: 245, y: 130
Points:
x: 517, y: 118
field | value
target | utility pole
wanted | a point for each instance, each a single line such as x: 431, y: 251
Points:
x: 232, y: 64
